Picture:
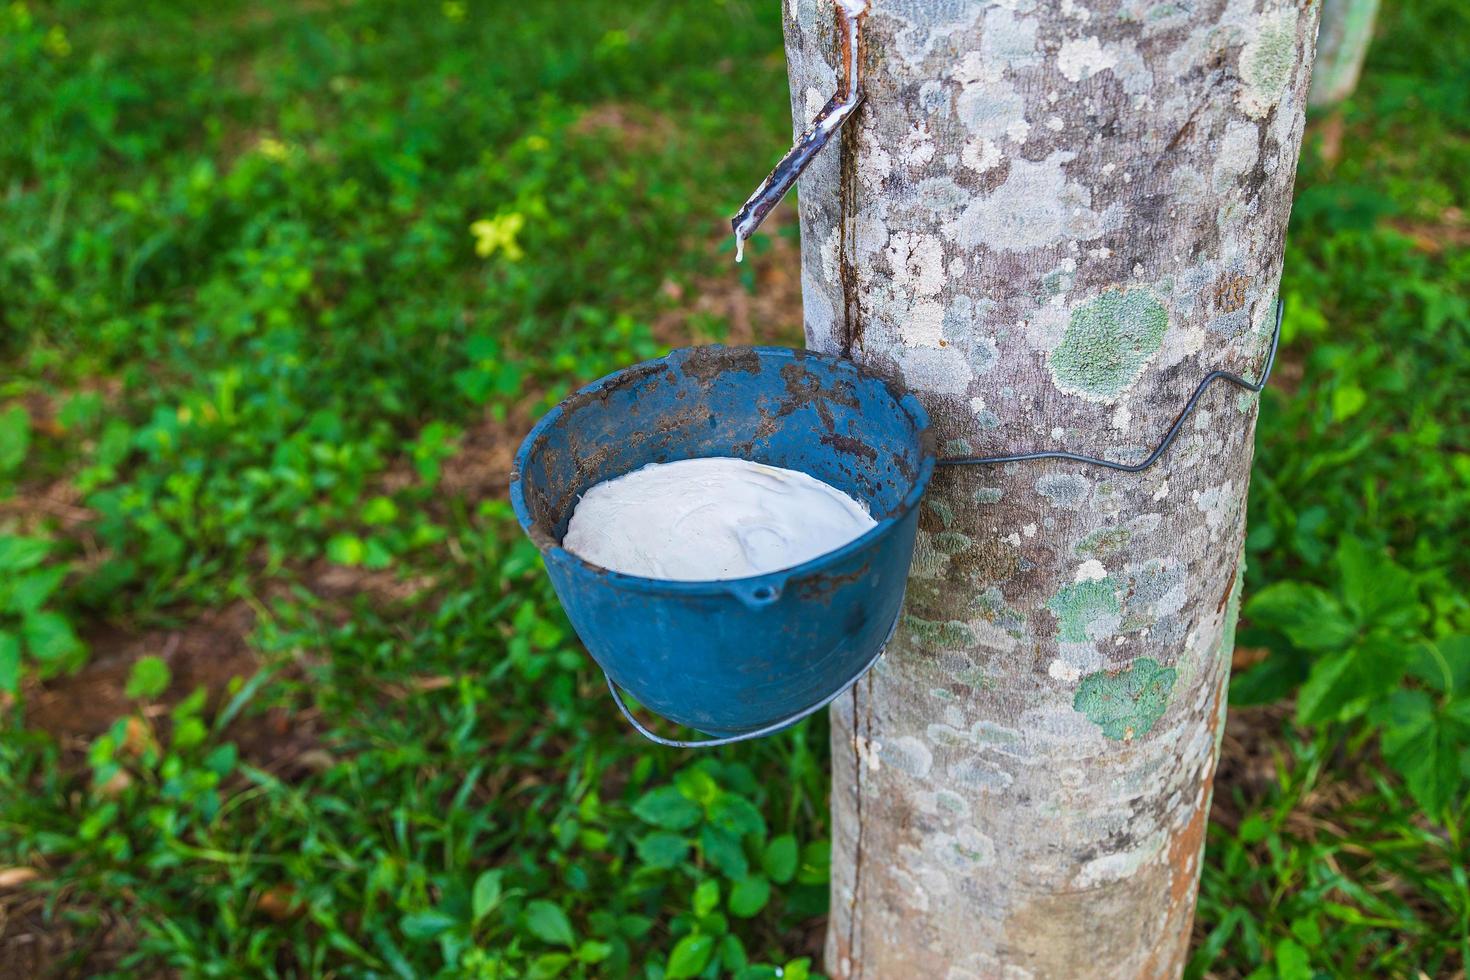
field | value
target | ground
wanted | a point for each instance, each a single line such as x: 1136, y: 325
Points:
x: 284, y: 690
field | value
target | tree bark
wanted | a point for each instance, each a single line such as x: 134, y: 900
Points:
x: 1050, y: 219
x: 1342, y: 44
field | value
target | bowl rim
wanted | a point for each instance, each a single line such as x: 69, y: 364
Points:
x: 751, y: 584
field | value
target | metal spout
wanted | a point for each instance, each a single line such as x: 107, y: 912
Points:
x: 850, y: 15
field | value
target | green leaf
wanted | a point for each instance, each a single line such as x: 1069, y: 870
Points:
x: 662, y: 849
x: 666, y: 807
x: 714, y: 924
x: 797, y: 969
x: 732, y: 953
x: 816, y: 863
x: 706, y: 897
x: 1309, y: 616
x: 1292, y: 962
x: 19, y: 554
x: 189, y: 732
x: 148, y: 679
x: 723, y: 850
x: 376, y: 555
x: 483, y: 347
x: 1444, y: 665
x: 191, y: 705
x: 1282, y: 673
x: 749, y: 896
x: 379, y: 510
x: 84, y: 410
x: 689, y: 957
x: 779, y: 859
x: 115, y: 443
x: 1332, y: 683
x: 1253, y: 829
x: 486, y: 893
x: 435, y: 443
x: 1307, y: 932
x: 345, y: 549
x: 1423, y: 745
x: 49, y: 637
x: 1376, y: 590
x: 1456, y: 653
x: 634, y: 926
x: 548, y: 965
x: 9, y: 662
x: 698, y: 785
x: 29, y: 592
x: 474, y: 384
x: 737, y: 815
x: 1340, y: 685
x: 97, y: 821
x: 222, y: 759
x: 549, y: 923
x: 593, y: 951
x: 426, y: 925
x: 759, y: 971
x: 15, y: 438
x: 1347, y: 401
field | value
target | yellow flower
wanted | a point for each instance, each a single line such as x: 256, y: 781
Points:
x: 272, y: 148
x: 56, y: 42
x: 499, y: 233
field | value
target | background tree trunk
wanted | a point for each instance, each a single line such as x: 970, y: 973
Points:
x: 1050, y: 219
x: 1342, y: 44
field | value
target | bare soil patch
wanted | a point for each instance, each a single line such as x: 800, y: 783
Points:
x: 35, y: 943
x: 341, y: 583
x: 637, y: 126
x: 481, y: 468
x: 1450, y: 234
x: 43, y: 934
x: 1253, y: 738
x: 35, y: 507
x: 209, y: 652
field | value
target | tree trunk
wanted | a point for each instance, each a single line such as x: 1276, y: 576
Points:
x: 1050, y: 220
x: 1342, y: 44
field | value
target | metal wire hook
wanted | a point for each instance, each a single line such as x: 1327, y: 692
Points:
x: 1153, y: 457
x: 850, y: 15
x: 1162, y: 447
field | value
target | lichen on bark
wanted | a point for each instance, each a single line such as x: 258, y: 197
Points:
x: 1126, y: 704
x: 1107, y: 343
x: 1049, y: 220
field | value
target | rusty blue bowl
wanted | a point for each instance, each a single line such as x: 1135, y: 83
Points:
x: 734, y: 657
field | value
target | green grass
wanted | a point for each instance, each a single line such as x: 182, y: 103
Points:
x: 279, y: 285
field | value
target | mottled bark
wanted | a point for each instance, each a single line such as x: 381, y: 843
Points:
x: 1342, y: 44
x: 1050, y: 219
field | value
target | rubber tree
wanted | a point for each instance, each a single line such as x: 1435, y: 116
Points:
x: 1342, y: 44
x: 1049, y: 219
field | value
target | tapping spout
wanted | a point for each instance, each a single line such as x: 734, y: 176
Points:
x: 850, y: 16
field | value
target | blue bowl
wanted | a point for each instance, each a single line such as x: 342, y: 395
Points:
x: 734, y: 657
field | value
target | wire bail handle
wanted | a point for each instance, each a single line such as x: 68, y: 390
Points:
x: 771, y: 729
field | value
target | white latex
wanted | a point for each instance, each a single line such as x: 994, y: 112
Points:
x: 709, y: 519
